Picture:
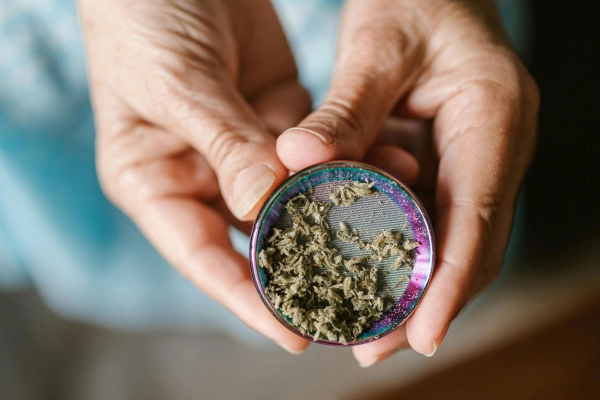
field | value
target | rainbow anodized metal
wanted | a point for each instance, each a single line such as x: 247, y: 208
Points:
x: 404, y: 198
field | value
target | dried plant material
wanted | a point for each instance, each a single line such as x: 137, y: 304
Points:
x: 385, y: 244
x: 320, y: 291
x: 345, y: 234
x: 312, y: 284
x: 400, y: 260
x: 401, y: 280
x: 347, y: 194
x: 409, y: 245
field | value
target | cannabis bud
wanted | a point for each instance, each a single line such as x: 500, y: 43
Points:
x: 321, y: 292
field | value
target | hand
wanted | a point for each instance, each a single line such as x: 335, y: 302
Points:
x: 187, y: 97
x: 447, y: 62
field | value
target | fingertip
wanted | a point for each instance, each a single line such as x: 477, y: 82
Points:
x: 427, y: 327
x: 451, y: 284
x: 425, y: 339
x: 295, y: 349
x: 434, y: 349
x: 245, y: 302
x: 371, y: 353
x: 301, y: 147
x: 428, y: 349
x: 287, y: 340
x: 363, y: 355
x: 251, y: 187
x: 367, y: 359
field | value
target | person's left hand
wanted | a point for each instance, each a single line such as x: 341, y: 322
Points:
x: 448, y: 62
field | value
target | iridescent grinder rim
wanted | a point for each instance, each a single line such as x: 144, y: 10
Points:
x: 398, y: 192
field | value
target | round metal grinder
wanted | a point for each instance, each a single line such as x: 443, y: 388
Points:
x: 391, y: 208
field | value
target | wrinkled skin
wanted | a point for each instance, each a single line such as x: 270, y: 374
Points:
x: 200, y: 116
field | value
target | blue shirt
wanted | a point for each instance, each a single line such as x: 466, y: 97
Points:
x: 57, y: 230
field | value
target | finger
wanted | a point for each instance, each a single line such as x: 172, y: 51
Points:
x: 149, y: 162
x: 470, y: 193
x: 371, y: 353
x: 137, y: 161
x: 192, y: 88
x: 183, y: 174
x: 493, y: 258
x: 269, y: 78
x: 214, y: 117
x: 210, y: 108
x: 395, y: 161
x: 377, y: 62
x: 160, y: 190
x: 194, y: 238
x: 283, y: 106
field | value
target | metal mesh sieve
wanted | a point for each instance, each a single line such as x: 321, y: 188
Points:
x: 393, y: 207
x: 369, y: 216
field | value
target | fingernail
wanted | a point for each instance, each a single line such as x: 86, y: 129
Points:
x: 380, y: 357
x: 376, y: 359
x: 435, y: 346
x: 369, y: 363
x: 319, y: 132
x: 289, y: 350
x: 250, y: 186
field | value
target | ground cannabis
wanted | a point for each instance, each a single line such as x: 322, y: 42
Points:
x: 312, y: 284
x: 345, y: 234
x: 385, y: 244
x: 346, y: 195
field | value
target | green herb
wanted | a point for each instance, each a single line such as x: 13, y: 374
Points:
x: 345, y: 234
x: 347, y: 194
x: 312, y: 284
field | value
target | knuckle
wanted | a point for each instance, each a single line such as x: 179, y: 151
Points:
x: 117, y: 177
x: 519, y: 80
x: 382, y: 35
x: 175, y: 92
x: 460, y: 274
x: 164, y: 92
x: 500, y: 76
x: 488, y: 90
x: 223, y: 143
x: 112, y: 166
x: 383, y: 46
x: 109, y: 184
x: 344, y: 113
x: 485, y: 208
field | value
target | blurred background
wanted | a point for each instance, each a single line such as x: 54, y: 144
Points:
x: 534, y: 335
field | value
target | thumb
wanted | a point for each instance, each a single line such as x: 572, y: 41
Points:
x: 211, y: 115
x: 377, y: 62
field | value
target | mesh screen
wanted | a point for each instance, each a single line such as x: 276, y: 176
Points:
x: 369, y: 216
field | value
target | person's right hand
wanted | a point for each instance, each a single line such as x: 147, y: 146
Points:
x: 187, y: 97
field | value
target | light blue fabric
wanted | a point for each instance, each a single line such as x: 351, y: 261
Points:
x: 57, y: 230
